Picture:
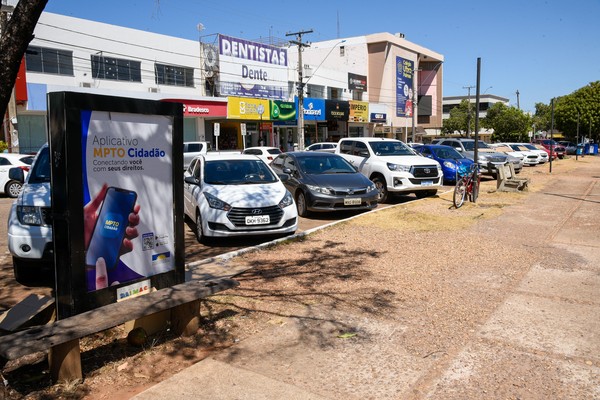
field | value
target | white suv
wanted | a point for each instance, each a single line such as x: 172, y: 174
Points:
x: 392, y: 166
x: 30, y: 225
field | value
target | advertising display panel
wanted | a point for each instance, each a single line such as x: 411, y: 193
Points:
x: 337, y: 110
x: 116, y: 166
x: 252, y: 69
x: 404, y: 87
x: 247, y: 108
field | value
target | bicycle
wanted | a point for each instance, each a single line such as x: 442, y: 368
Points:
x: 467, y: 183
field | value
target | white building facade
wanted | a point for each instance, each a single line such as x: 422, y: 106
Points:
x: 374, y: 85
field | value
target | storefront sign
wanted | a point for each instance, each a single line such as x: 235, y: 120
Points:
x: 357, y: 82
x: 337, y: 110
x: 247, y: 108
x: 193, y: 108
x: 313, y: 109
x: 380, y: 118
x: 283, y: 110
x: 359, y: 111
x: 404, y: 87
x: 252, y: 69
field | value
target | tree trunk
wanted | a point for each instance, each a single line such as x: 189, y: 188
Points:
x: 17, y: 32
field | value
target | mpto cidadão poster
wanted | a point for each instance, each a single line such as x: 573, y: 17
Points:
x: 128, y: 197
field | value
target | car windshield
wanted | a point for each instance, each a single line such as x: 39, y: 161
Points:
x: 325, y: 165
x: 390, y: 148
x: 470, y: 145
x: 530, y: 147
x: 447, y: 153
x: 236, y: 172
x: 40, y: 172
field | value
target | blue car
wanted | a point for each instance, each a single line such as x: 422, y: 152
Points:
x: 448, y: 158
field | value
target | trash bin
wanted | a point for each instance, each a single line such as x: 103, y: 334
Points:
x: 593, y: 148
x: 579, y: 149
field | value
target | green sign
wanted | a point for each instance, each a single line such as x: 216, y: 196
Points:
x: 283, y: 110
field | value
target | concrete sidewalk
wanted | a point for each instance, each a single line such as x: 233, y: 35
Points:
x: 550, y: 323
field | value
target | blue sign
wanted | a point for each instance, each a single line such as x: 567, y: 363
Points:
x: 314, y: 109
x: 404, y: 87
x: 379, y: 118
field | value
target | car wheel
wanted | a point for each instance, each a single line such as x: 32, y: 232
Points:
x: 301, y: 204
x: 13, y: 188
x: 199, y: 234
x: 425, y: 193
x: 381, y: 186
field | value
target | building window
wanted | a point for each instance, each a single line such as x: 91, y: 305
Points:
x: 116, y: 69
x: 49, y: 61
x: 357, y: 95
x: 172, y: 75
x: 342, y: 51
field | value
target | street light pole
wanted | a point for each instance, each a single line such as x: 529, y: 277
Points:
x: 300, y: 116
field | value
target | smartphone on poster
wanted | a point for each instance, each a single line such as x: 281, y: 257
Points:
x: 109, y: 231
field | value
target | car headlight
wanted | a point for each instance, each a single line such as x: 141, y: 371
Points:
x: 398, y: 167
x: 287, y: 200
x: 370, y: 188
x: 318, y: 189
x: 482, y: 159
x: 29, y: 215
x: 215, y: 202
x: 449, y: 165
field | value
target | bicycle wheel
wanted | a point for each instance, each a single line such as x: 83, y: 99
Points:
x: 460, y: 192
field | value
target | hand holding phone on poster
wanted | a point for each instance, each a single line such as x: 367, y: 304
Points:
x: 110, y: 225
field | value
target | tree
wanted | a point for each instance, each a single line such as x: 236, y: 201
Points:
x: 584, y: 104
x: 459, y: 118
x: 541, y: 118
x: 509, y: 123
x: 17, y: 32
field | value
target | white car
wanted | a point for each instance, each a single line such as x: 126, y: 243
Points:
x: 543, y: 155
x: 30, y: 225
x: 12, y: 181
x: 393, y: 166
x: 328, y: 147
x: 266, y: 153
x: 191, y: 150
x: 529, y: 157
x: 237, y: 195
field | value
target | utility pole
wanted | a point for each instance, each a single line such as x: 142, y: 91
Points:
x: 298, y: 42
x: 577, y: 141
x: 518, y: 106
x: 468, y: 109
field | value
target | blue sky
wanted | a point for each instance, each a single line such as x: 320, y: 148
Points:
x: 541, y: 48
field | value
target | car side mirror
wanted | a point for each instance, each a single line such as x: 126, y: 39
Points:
x: 364, y: 154
x: 287, y: 171
x: 16, y: 174
x: 284, y: 177
x: 192, y: 180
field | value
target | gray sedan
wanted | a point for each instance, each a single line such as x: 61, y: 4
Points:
x: 325, y: 182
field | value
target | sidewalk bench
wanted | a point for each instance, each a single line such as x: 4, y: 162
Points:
x: 61, y: 337
x: 507, y: 180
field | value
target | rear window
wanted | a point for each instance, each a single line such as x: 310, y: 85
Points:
x: 274, y: 151
x: 194, y: 147
x: 40, y: 172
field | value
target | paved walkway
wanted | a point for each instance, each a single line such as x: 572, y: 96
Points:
x: 550, y: 324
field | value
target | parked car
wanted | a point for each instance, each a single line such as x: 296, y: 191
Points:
x: 542, y: 153
x: 328, y: 147
x: 447, y: 156
x: 554, y: 154
x: 526, y: 157
x: 267, y: 154
x: 392, y: 166
x: 30, y: 225
x: 549, y: 143
x: 325, y: 182
x: 530, y: 157
x: 13, y: 172
x: 191, y: 150
x: 237, y: 195
x: 570, y: 147
x: 488, y: 159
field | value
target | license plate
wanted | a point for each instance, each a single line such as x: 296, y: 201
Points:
x: 258, y: 220
x: 352, y: 202
x: 427, y: 183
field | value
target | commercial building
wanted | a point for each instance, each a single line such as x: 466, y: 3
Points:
x: 373, y: 85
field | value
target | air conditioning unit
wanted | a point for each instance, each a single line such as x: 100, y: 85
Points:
x: 153, y: 90
x: 85, y: 84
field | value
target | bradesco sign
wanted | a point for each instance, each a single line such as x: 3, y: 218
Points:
x: 252, y: 69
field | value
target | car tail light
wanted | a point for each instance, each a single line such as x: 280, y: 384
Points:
x: 24, y: 168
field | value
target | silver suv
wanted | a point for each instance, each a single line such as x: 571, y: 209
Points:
x: 488, y: 159
x: 392, y: 166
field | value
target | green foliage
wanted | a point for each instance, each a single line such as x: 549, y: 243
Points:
x: 509, y: 123
x: 3, y: 146
x: 459, y: 118
x: 584, y: 104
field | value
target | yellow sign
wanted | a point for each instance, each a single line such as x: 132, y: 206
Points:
x: 359, y: 111
x: 248, y: 108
